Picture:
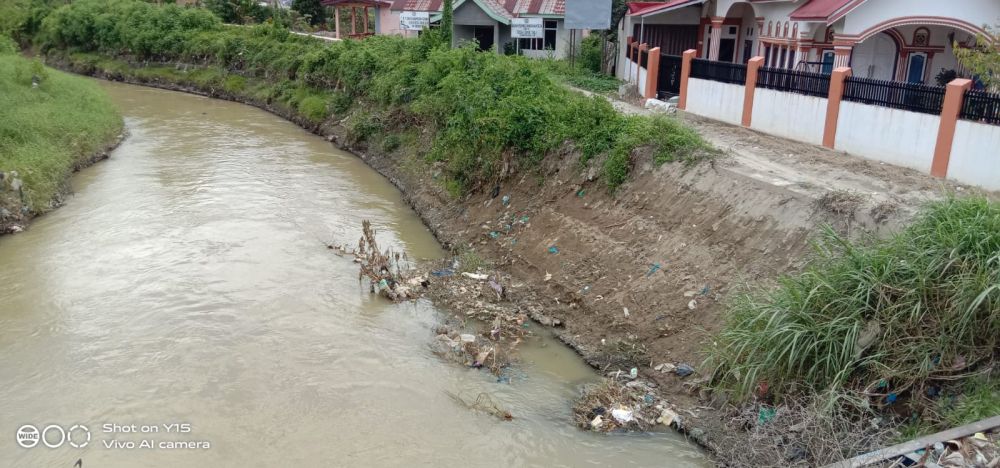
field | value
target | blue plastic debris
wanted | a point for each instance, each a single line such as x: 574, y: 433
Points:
x: 494, y: 234
x: 505, y: 200
x: 684, y: 370
x: 443, y: 272
x: 653, y: 269
x: 553, y: 250
x: 890, y: 398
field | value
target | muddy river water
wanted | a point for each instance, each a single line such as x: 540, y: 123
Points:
x: 185, y: 293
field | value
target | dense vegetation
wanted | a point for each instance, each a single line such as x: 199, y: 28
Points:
x: 49, y: 129
x: 489, y: 114
x: 886, y: 322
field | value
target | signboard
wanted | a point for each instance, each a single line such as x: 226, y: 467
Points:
x: 414, y: 20
x: 526, y: 28
x: 588, y: 14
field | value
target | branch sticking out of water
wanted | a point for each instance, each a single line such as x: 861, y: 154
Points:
x: 384, y: 269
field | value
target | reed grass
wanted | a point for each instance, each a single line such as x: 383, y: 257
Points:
x: 874, y: 317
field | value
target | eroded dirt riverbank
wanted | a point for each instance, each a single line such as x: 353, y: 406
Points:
x: 668, y: 247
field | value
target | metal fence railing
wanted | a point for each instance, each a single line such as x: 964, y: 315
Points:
x: 905, y: 96
x: 668, y: 81
x: 643, y: 58
x: 719, y: 71
x: 981, y: 106
x: 779, y: 79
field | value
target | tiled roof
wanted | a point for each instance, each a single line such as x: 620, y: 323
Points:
x: 416, y: 5
x: 643, y: 8
x: 503, y: 8
x: 822, y: 10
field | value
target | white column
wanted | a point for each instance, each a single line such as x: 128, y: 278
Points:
x: 715, y: 37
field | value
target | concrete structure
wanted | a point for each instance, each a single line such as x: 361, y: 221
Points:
x: 488, y: 23
x: 958, y: 141
x: 899, y: 40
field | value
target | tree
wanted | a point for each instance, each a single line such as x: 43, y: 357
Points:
x: 446, y: 21
x: 982, y: 59
x: 311, y: 8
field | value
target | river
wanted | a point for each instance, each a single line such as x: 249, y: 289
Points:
x: 186, y: 288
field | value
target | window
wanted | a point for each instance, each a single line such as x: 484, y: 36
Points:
x: 732, y: 30
x: 546, y: 43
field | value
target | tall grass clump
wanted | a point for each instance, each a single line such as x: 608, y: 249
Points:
x: 488, y: 116
x: 49, y: 129
x: 880, y: 319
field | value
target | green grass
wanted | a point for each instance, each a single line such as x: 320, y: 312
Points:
x: 877, y: 316
x: 582, y: 77
x: 46, y: 131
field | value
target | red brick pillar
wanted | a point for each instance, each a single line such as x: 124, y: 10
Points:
x: 748, y: 90
x: 685, y: 73
x: 954, y: 97
x: 652, y: 72
x: 837, y: 79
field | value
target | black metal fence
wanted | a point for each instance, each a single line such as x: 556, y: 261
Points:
x: 719, y: 71
x: 981, y: 106
x: 668, y: 81
x: 905, y: 96
x: 643, y: 58
x: 812, y: 84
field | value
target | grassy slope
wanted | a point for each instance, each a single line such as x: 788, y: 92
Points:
x: 46, y: 132
x: 909, y: 322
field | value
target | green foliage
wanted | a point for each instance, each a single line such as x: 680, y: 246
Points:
x: 447, y: 13
x: 489, y: 115
x: 391, y: 143
x: 7, y: 45
x: 983, y: 60
x: 315, y: 10
x: 890, y: 314
x: 313, y: 108
x: 590, y: 53
x: 234, y: 83
x: 583, y: 77
x: 46, y: 131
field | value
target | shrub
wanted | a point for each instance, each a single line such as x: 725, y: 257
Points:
x: 313, y: 108
x: 876, y: 316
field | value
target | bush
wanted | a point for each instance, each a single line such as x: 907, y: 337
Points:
x: 590, y: 52
x: 490, y: 115
x: 874, y: 317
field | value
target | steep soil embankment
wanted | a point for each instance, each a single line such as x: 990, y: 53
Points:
x: 668, y: 246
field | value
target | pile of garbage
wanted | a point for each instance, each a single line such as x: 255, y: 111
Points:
x: 384, y: 269
x: 981, y: 449
x: 622, y: 402
x: 479, y: 301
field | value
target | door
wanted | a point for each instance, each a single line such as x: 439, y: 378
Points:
x: 827, y: 67
x: 484, y: 36
x: 915, y: 72
x: 875, y: 58
x: 727, y: 47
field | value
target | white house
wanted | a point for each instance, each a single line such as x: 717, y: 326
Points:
x: 899, y: 40
x: 488, y: 23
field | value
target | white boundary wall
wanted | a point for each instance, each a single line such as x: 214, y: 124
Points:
x: 893, y: 136
x: 975, y: 155
x: 715, y: 100
x: 790, y: 115
x: 642, y: 80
